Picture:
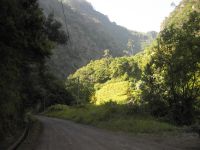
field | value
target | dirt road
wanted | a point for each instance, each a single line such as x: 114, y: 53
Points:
x: 65, y: 135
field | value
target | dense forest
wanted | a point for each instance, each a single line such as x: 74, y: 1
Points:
x: 164, y: 79
x: 27, y: 38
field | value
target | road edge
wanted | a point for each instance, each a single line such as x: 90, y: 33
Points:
x: 35, y: 129
x: 20, y: 140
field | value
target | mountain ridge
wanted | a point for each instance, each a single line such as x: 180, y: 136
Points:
x: 91, y: 32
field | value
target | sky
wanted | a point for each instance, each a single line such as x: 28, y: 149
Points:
x: 138, y: 15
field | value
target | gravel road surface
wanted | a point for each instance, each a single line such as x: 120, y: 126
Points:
x: 66, y: 135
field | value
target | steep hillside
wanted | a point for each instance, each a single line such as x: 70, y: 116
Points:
x: 108, y: 79
x: 181, y: 13
x: 91, y: 33
x: 164, y: 79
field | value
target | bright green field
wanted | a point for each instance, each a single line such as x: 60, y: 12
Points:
x: 105, y: 94
x: 113, y: 117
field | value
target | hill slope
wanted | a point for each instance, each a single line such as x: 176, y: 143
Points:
x: 181, y: 13
x: 91, y: 33
x: 123, y: 75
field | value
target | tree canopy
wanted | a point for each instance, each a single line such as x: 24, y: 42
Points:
x: 27, y: 38
x: 164, y: 79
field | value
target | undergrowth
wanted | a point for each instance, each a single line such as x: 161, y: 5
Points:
x: 113, y: 117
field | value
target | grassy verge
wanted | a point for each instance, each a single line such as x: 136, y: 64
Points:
x: 112, y: 117
x: 34, y: 132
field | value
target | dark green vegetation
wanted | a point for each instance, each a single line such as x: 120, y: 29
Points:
x: 175, y: 66
x: 90, y: 34
x: 164, y: 80
x: 113, y: 117
x: 26, y: 41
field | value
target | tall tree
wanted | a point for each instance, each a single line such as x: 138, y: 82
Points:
x: 177, y: 59
x: 24, y: 46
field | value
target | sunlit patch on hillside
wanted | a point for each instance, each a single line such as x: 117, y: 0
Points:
x: 115, y: 92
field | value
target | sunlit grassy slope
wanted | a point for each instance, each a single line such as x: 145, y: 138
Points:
x: 116, y: 92
x: 108, y: 79
x: 113, y: 117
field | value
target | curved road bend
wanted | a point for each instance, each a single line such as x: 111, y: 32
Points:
x: 66, y: 135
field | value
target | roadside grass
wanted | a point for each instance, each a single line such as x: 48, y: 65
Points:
x: 113, y: 117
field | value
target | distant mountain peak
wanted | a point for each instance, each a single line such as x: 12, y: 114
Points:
x: 81, y: 5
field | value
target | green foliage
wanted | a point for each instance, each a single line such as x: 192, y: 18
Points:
x: 105, y: 93
x: 181, y: 13
x: 81, y: 91
x: 90, y: 34
x: 53, y: 30
x: 172, y: 77
x: 164, y: 79
x: 100, y: 81
x: 113, y: 117
x: 20, y: 24
x: 24, y: 79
